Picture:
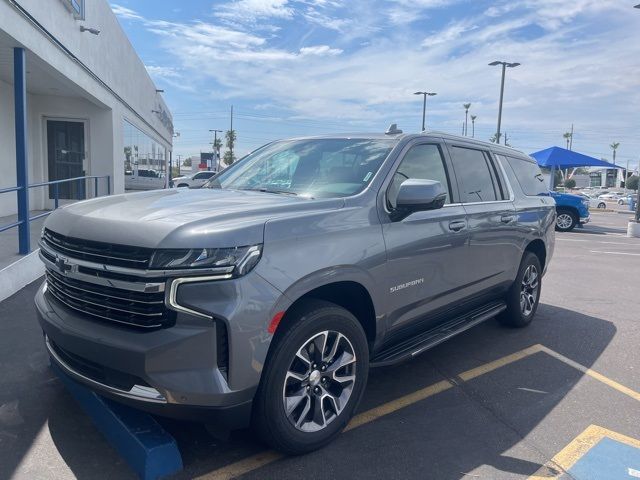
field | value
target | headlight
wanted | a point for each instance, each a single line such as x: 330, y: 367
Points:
x: 240, y: 259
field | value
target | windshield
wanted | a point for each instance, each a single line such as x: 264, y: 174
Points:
x: 311, y: 168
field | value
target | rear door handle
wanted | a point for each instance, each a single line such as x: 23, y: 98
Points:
x: 457, y: 226
x: 507, y: 218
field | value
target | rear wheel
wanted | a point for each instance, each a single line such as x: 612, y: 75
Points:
x: 602, y: 205
x: 566, y: 220
x: 314, y: 379
x: 524, y: 294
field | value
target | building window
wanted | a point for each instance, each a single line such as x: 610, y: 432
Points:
x: 76, y: 7
x: 142, y: 153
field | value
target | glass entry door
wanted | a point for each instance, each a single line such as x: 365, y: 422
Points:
x: 65, y: 152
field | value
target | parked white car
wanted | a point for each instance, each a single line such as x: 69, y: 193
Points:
x: 625, y: 200
x: 614, y: 196
x: 194, y: 180
x: 143, y: 179
x: 594, y: 202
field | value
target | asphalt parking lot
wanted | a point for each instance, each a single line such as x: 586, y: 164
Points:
x: 492, y: 403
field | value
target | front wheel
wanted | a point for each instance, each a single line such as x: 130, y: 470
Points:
x: 313, y: 380
x: 602, y: 205
x: 566, y: 220
x: 524, y: 295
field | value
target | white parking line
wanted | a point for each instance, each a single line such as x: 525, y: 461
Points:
x: 631, y: 243
x: 616, y: 253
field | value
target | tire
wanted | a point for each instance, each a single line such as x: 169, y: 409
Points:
x: 566, y: 220
x: 183, y: 185
x: 286, y: 374
x: 518, y: 314
x: 602, y: 205
x: 620, y: 202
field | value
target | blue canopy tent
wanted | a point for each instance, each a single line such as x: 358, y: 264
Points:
x: 556, y: 157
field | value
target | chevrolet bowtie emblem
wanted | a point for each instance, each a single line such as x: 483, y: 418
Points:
x: 62, y: 264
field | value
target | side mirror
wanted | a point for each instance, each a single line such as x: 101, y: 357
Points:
x: 417, y: 195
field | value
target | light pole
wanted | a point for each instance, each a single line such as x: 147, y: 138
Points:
x: 216, y: 152
x: 424, y: 106
x: 638, y: 194
x: 504, y: 67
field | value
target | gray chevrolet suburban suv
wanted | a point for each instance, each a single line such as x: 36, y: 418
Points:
x: 264, y: 298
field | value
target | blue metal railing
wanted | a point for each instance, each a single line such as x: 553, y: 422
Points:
x: 24, y: 240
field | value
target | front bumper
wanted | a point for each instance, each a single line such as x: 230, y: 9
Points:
x: 173, y: 371
x: 586, y: 219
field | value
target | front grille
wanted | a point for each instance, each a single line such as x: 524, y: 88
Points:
x: 139, y: 309
x: 98, y: 252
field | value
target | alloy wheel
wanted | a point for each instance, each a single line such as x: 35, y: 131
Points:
x: 564, y: 220
x: 529, y: 290
x: 319, y: 381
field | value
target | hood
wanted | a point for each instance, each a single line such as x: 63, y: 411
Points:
x: 567, y: 196
x: 180, y: 218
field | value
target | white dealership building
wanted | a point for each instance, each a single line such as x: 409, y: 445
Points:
x: 75, y: 101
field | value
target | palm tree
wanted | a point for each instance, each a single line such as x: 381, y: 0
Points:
x: 614, y: 146
x: 466, y: 106
x: 473, y: 125
x: 230, y: 137
x: 567, y: 136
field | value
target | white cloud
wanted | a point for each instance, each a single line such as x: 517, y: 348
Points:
x: 250, y: 11
x: 124, y: 12
x: 320, y: 50
x: 162, y: 72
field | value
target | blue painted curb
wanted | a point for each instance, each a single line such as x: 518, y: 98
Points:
x: 148, y: 449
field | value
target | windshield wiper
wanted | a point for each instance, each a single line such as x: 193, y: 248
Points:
x: 268, y: 190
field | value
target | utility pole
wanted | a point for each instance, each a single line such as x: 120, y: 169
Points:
x: 216, y: 150
x: 231, y: 148
x: 571, y: 138
x: 504, y: 68
x: 179, y: 163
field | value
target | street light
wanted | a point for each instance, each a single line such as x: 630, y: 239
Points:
x: 504, y: 67
x: 215, y: 147
x: 424, y: 105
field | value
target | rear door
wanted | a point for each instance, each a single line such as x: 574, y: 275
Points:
x: 426, y: 251
x: 494, y: 245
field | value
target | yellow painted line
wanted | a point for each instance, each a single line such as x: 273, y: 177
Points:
x: 264, y: 458
x: 243, y: 466
x: 501, y: 362
x: 397, y: 404
x: 579, y: 446
x: 593, y: 374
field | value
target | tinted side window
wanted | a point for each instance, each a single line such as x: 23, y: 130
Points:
x: 423, y: 162
x: 475, y: 178
x: 528, y: 175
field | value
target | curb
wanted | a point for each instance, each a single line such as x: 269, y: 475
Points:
x: 20, y: 274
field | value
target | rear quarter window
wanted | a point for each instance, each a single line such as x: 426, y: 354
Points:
x: 527, y: 174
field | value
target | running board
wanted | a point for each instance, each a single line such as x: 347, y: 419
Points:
x: 411, y: 347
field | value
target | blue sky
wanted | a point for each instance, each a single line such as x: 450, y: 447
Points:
x: 300, y: 67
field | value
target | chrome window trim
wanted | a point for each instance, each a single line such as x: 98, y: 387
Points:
x: 171, y: 299
x: 137, y: 392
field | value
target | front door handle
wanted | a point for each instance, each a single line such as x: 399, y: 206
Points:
x: 457, y: 225
x: 507, y: 218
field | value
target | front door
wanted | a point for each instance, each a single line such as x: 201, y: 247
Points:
x: 65, y: 154
x: 426, y: 251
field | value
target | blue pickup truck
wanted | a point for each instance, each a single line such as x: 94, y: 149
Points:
x: 571, y: 210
